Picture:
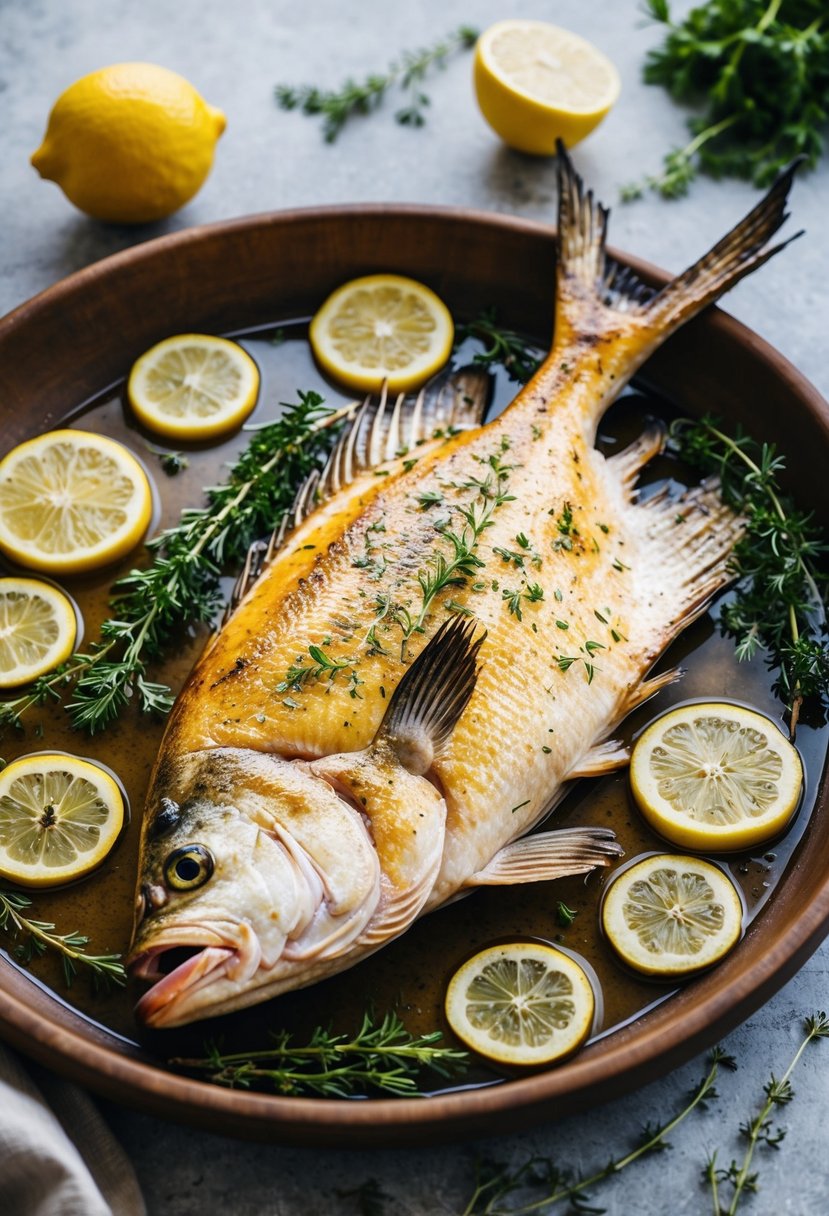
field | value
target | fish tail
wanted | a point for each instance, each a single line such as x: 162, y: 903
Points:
x: 597, y: 298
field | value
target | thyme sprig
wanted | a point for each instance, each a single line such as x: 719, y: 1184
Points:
x: 182, y: 585
x: 539, y: 1184
x: 381, y: 1056
x: 759, y: 72
x: 760, y: 1130
x: 519, y: 358
x: 778, y: 605
x: 40, y: 936
x: 353, y: 97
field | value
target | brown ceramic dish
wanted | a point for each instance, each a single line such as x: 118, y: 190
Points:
x: 239, y: 275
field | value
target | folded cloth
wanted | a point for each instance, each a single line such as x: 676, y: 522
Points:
x: 57, y: 1156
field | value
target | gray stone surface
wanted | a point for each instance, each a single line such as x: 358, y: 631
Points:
x: 235, y: 53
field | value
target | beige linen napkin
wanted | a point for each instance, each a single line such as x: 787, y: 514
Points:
x: 57, y: 1156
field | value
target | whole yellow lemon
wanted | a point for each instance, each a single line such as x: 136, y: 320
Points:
x: 130, y: 143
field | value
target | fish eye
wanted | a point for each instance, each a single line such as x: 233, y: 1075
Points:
x: 188, y: 867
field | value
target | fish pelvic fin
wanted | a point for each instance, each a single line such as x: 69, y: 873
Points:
x: 549, y: 855
x: 597, y: 296
x: 433, y: 694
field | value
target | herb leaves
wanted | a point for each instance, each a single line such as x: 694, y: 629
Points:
x: 759, y: 71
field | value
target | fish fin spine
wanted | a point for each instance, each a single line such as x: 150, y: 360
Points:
x: 549, y: 855
x: 628, y: 464
x: 602, y: 758
x: 434, y: 692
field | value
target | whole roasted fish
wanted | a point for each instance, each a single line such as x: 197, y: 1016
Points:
x: 428, y: 655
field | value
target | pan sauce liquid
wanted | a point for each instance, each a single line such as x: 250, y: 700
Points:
x: 410, y: 975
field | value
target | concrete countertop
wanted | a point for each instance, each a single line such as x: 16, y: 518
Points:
x: 235, y: 54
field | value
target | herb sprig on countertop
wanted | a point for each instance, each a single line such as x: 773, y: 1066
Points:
x: 40, y: 936
x: 759, y: 71
x: 778, y: 605
x: 182, y: 585
x: 337, y: 106
x: 381, y: 1056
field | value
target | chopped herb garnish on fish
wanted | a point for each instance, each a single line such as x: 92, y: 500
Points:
x: 382, y: 1056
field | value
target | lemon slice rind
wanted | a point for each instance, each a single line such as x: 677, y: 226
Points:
x: 715, y: 777
x: 382, y: 327
x: 38, y: 629
x: 522, y: 1004
x: 193, y: 387
x: 671, y: 916
x: 71, y: 501
x: 60, y: 817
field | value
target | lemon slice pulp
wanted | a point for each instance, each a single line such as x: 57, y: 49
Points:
x: 71, y: 501
x: 193, y: 386
x: 671, y: 916
x: 37, y: 629
x: 537, y: 83
x: 715, y: 777
x: 523, y: 1003
x: 382, y: 327
x: 59, y: 818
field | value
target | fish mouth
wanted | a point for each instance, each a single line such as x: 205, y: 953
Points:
x: 194, y: 967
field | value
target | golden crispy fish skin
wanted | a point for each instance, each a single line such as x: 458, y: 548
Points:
x: 427, y: 659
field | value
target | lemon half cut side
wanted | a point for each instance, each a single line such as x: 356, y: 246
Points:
x: 193, y: 386
x: 521, y: 1004
x: 71, y: 501
x: 670, y: 916
x: 59, y: 818
x: 715, y: 777
x: 382, y: 327
x: 537, y: 83
x: 38, y: 628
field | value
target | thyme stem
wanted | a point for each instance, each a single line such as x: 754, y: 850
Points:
x: 42, y: 936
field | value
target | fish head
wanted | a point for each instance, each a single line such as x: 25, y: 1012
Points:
x: 254, y: 874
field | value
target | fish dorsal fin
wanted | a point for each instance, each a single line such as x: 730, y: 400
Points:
x: 603, y: 757
x: 377, y: 431
x: 548, y: 855
x: 433, y: 694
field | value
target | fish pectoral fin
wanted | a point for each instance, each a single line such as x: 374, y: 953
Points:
x: 549, y: 855
x: 432, y: 695
x: 602, y: 758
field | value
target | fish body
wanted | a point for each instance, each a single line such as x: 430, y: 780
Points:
x: 429, y: 656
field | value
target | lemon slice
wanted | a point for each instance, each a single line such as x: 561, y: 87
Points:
x: 37, y: 629
x: 522, y: 1003
x: 671, y: 916
x: 71, y: 501
x: 382, y: 327
x: 537, y: 83
x: 59, y: 817
x: 193, y: 386
x: 715, y: 777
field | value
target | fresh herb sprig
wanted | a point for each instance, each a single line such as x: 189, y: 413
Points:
x: 760, y: 71
x: 778, y: 604
x: 39, y: 936
x: 539, y: 1184
x: 759, y: 1130
x: 337, y: 106
x: 519, y: 358
x: 182, y: 585
x: 382, y: 1056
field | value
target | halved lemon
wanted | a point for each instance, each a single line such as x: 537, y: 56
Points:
x: 59, y: 818
x: 193, y: 386
x: 715, y: 777
x: 37, y: 629
x: 523, y: 1003
x: 537, y: 83
x: 671, y: 916
x: 382, y: 327
x: 71, y: 501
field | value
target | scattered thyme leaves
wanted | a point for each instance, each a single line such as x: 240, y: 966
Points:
x: 564, y: 915
x: 382, y: 1057
x: 519, y: 358
x: 409, y: 70
x: 778, y: 605
x: 39, y: 936
x: 758, y: 71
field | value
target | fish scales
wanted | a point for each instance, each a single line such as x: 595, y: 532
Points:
x: 432, y: 654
